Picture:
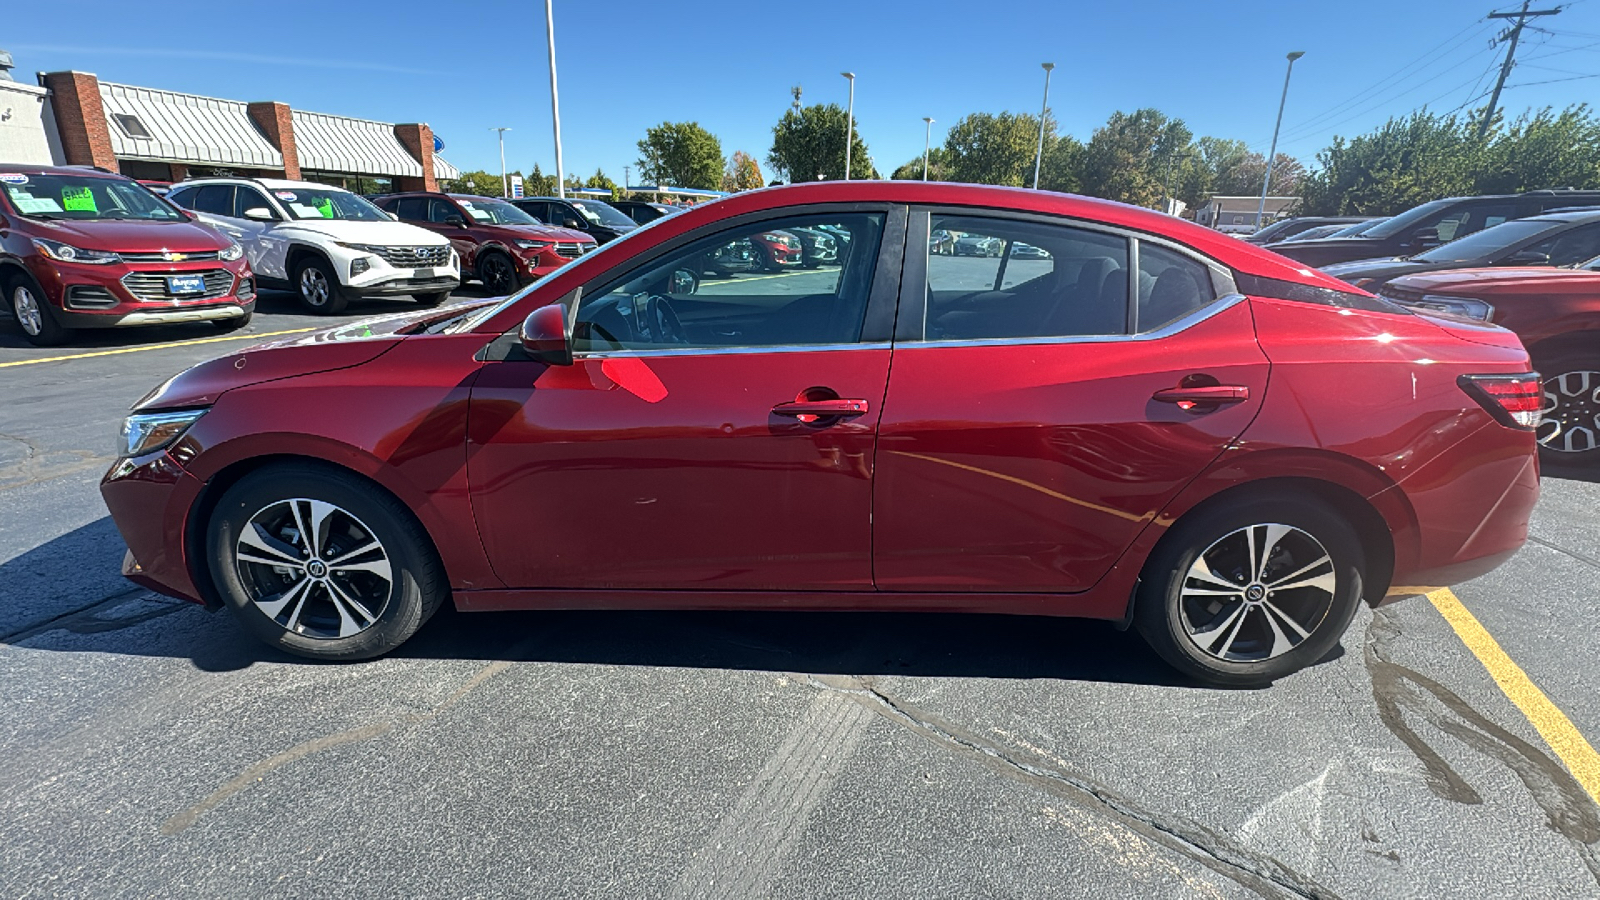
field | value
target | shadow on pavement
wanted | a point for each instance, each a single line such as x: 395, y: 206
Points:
x: 1590, y: 474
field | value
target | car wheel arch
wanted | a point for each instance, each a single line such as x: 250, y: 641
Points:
x: 1562, y: 344
x: 299, y: 251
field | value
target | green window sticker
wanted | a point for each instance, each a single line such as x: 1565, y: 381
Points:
x: 78, y: 199
x: 325, y: 207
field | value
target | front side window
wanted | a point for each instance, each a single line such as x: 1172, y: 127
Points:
x: 758, y: 285
x: 1171, y: 286
x: 1000, y: 278
x: 1571, y: 247
x: 83, y: 197
x: 443, y: 211
x: 328, y: 203
x: 245, y: 199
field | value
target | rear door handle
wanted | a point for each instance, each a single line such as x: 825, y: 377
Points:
x: 1187, y: 397
x: 810, y: 410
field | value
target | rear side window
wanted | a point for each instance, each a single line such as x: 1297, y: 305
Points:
x: 1003, y: 278
x: 183, y: 197
x: 1171, y: 286
x: 216, y: 199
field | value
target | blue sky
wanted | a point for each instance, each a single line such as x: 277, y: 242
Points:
x: 465, y: 67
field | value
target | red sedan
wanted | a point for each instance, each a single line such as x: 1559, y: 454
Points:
x: 1148, y: 422
x: 1556, y: 312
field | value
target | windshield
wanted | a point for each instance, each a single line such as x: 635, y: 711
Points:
x: 602, y: 213
x: 489, y: 211
x: 85, y: 197
x: 1487, y: 243
x: 1408, y: 219
x: 1358, y: 228
x: 1277, y: 227
x: 328, y: 203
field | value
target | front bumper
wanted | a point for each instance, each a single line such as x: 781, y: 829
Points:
x: 116, y: 318
x: 150, y: 498
x: 406, y: 285
x: 129, y: 294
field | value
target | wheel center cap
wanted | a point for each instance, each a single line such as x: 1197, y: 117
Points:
x: 317, y: 568
x: 1255, y: 593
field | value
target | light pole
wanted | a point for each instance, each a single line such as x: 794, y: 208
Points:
x: 849, y: 123
x: 555, y: 100
x: 1038, y: 155
x: 927, y: 139
x: 1261, y: 210
x: 505, y: 186
x: 625, y: 170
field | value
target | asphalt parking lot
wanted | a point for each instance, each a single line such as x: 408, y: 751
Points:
x: 155, y: 749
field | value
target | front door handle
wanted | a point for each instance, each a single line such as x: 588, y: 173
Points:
x: 811, y: 410
x: 1211, y: 394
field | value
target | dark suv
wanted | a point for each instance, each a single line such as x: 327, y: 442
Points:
x: 601, y: 220
x: 504, y: 246
x: 1432, y: 224
x: 82, y: 248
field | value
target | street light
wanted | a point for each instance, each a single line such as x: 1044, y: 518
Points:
x: 555, y: 101
x: 927, y: 138
x: 849, y: 123
x: 505, y: 187
x: 1261, y: 210
x: 1038, y: 155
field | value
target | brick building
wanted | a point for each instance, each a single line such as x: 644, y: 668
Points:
x: 160, y: 135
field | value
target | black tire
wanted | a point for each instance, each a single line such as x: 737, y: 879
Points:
x: 416, y: 584
x: 1569, y: 431
x: 429, y: 301
x: 320, y: 292
x: 1166, y: 617
x: 32, y: 312
x: 234, y: 324
x: 497, y: 272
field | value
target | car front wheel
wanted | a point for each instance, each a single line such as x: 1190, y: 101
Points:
x: 1251, y: 590
x: 318, y: 287
x: 321, y: 564
x: 33, y: 314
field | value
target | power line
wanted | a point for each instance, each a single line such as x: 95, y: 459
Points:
x: 1555, y: 80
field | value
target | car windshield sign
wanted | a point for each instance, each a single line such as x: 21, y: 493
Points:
x: 328, y: 203
x: 84, y: 197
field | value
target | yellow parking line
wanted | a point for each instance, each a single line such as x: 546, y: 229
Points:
x: 1552, y: 724
x: 765, y: 277
x: 215, y: 340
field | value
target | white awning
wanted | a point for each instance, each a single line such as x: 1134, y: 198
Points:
x: 355, y: 146
x: 443, y: 170
x: 184, y: 128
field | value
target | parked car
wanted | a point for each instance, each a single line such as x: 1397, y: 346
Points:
x: 1431, y: 224
x: 777, y: 250
x: 1556, y: 313
x: 1357, y: 228
x: 598, y: 218
x: 1151, y: 430
x: 81, y: 248
x: 1563, y: 239
x: 1283, y: 229
x: 644, y: 212
x: 817, y: 246
x: 326, y: 244
x: 498, y: 243
x: 977, y: 245
x: 1020, y: 250
x: 1311, y: 234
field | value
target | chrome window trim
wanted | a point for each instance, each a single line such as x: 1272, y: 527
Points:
x: 1219, y: 305
x: 732, y: 351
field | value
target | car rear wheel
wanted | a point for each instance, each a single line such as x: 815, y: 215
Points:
x: 33, y: 314
x: 1250, y: 591
x: 316, y: 562
x: 318, y: 287
x: 1569, y: 426
x: 496, y: 273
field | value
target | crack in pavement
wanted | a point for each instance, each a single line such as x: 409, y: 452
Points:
x: 1221, y: 854
x: 1567, y: 807
x: 74, y: 616
x: 39, y: 465
x: 1586, y: 560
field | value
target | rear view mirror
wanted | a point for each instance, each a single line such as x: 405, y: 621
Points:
x: 544, y: 335
x: 259, y: 214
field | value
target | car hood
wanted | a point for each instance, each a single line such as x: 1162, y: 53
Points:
x: 1480, y: 280
x: 323, y: 350
x: 1379, y: 268
x: 543, y: 233
x: 379, y: 233
x: 124, y: 236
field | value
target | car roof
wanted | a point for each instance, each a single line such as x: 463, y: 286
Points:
x: 274, y: 184
x: 26, y: 169
x: 1569, y: 216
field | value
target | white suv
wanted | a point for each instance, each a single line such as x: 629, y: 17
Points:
x: 324, y: 243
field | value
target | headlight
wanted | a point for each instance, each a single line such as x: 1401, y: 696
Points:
x: 1460, y: 306
x: 69, y: 253
x: 233, y: 252
x: 360, y: 248
x: 532, y: 245
x: 148, y: 432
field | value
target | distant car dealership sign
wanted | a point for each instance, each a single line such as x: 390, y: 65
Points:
x: 438, y: 145
x: 516, y: 185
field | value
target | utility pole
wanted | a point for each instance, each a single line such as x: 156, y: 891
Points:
x: 1038, y: 155
x: 927, y: 139
x: 555, y: 99
x: 1511, y: 52
x: 849, y: 123
x: 505, y: 187
x: 1261, y: 211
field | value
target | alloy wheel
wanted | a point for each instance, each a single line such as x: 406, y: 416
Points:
x: 1570, y: 417
x: 314, y: 286
x: 1257, y: 593
x: 497, y: 274
x: 314, y: 568
x: 26, y: 307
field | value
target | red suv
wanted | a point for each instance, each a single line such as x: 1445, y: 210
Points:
x: 504, y: 246
x: 1145, y: 421
x: 81, y: 248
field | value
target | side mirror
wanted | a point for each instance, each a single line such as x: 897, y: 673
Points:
x: 544, y: 335
x: 259, y: 214
x: 573, y: 223
x: 391, y: 215
x: 682, y: 281
x: 1527, y: 258
x: 457, y: 221
x: 1425, y: 237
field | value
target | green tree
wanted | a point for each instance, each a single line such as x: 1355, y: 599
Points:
x: 1541, y: 150
x: 485, y: 184
x: 938, y: 167
x: 742, y: 173
x: 983, y: 148
x: 599, y: 180
x: 808, y: 145
x: 538, y: 184
x: 1126, y: 158
x: 1061, y: 169
x: 1404, y: 162
x: 681, y: 154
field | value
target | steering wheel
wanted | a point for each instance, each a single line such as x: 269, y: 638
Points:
x: 656, y: 322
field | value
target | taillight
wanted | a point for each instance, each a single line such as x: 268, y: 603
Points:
x: 1513, y: 400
